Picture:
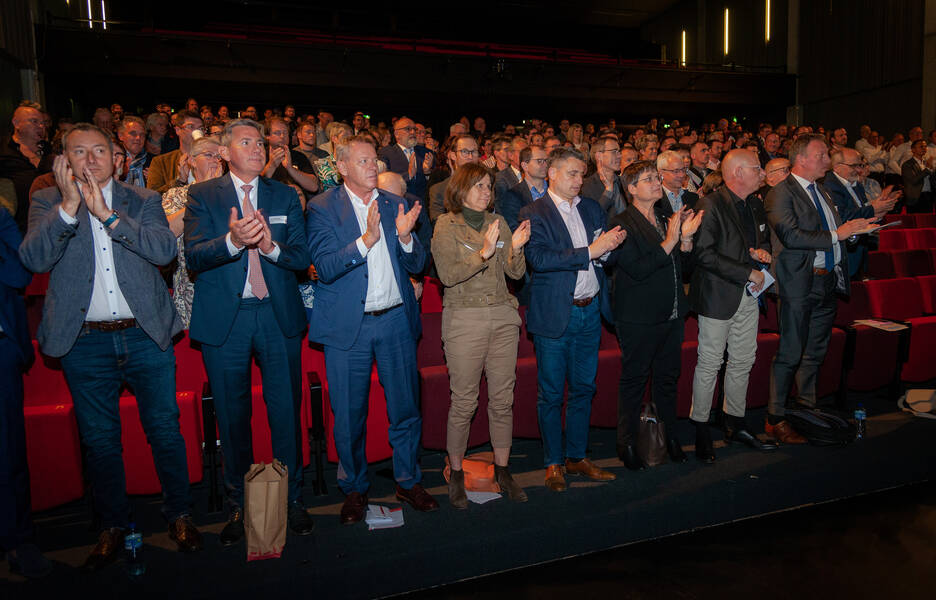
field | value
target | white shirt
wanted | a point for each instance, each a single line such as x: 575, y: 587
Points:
x: 406, y: 151
x: 851, y: 189
x: 382, y: 289
x: 819, y: 262
x: 234, y: 250
x: 926, y: 180
x: 898, y: 156
x: 586, y: 283
x: 107, y: 301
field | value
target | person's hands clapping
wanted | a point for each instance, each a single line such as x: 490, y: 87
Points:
x: 690, y: 223
x: 372, y: 234
x: 521, y: 235
x: 65, y: 180
x: 405, y: 222
x: 244, y: 232
x: 490, y: 240
x: 606, y: 242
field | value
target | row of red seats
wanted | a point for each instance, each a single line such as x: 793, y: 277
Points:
x: 908, y: 221
x: 887, y: 264
x: 907, y: 239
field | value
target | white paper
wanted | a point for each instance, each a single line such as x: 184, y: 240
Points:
x: 482, y: 497
x: 382, y: 517
x: 768, y: 281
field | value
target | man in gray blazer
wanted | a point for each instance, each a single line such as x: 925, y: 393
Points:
x: 108, y: 316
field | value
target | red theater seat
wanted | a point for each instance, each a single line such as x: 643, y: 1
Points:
x: 604, y: 411
x: 905, y: 221
x: 910, y: 263
x: 901, y: 299
x: 925, y: 220
x: 769, y: 320
x: 53, y: 452
x: 920, y: 238
x: 881, y: 264
x: 893, y: 239
x: 689, y: 356
x: 190, y: 367
x: 758, y: 391
x: 871, y: 354
x: 429, y: 352
x: 927, y: 285
x: 431, y: 301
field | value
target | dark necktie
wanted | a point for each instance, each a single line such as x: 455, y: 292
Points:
x: 829, y: 254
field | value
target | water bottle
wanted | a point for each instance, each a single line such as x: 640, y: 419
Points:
x: 860, y: 422
x: 133, y: 545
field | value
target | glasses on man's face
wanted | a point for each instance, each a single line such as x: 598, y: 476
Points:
x: 610, y: 151
x: 468, y: 153
x: 779, y: 170
x: 854, y: 165
x: 410, y: 128
x: 674, y: 171
x: 539, y: 161
x: 209, y: 155
x: 650, y: 179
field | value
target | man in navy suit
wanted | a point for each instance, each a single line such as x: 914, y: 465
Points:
x: 568, y: 297
x: 533, y: 161
x: 245, y: 239
x: 363, y: 249
x: 849, y: 196
x: 108, y: 315
x: 407, y: 158
x: 16, y: 355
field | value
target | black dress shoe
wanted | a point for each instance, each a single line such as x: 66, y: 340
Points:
x: 233, y: 532
x: 110, y: 544
x: 630, y: 458
x: 743, y: 436
x: 675, y: 451
x: 354, y: 508
x: 298, y: 519
x: 704, y: 450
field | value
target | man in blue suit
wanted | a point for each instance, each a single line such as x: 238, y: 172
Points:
x: 849, y: 196
x: 245, y: 238
x: 108, y: 315
x: 16, y: 355
x: 363, y: 249
x: 407, y: 158
x: 568, y: 296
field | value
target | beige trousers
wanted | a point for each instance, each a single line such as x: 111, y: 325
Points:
x: 480, y: 340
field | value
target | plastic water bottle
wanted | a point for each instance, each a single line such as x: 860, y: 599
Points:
x: 133, y: 545
x: 860, y: 422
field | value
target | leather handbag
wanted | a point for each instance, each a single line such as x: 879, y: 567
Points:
x: 651, y: 436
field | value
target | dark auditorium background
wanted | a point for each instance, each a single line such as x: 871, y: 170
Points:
x: 826, y: 61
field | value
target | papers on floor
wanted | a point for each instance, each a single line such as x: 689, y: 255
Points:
x: 885, y: 325
x: 382, y: 517
x: 768, y: 281
x: 482, y: 497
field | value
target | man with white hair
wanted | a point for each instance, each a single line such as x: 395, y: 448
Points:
x: 672, y: 170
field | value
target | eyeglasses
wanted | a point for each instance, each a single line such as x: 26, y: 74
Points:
x: 209, y: 155
x: 650, y: 179
x: 611, y: 151
x: 468, y: 153
x: 674, y: 171
x: 410, y: 128
x: 779, y: 170
x: 757, y: 167
x: 539, y: 161
x: 854, y: 165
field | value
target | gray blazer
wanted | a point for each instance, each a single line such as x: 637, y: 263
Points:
x: 142, y: 241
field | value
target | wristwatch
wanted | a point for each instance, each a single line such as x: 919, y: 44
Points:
x: 110, y: 220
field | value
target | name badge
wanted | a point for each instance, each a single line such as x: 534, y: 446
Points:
x: 762, y: 227
x: 278, y: 220
x: 597, y: 233
x: 500, y: 244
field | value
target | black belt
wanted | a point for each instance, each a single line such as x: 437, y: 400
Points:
x: 583, y: 301
x: 118, y: 325
x: 382, y: 311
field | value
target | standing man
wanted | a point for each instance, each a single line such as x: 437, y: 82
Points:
x: 25, y: 156
x: 569, y: 295
x: 131, y: 131
x: 699, y: 157
x: 410, y: 160
x: 533, y: 162
x: 673, y: 175
x: 732, y: 245
x: 510, y: 175
x: 362, y: 246
x: 464, y: 149
x: 917, y: 172
x: 172, y: 168
x: 810, y: 267
x: 109, y: 317
x: 604, y: 186
x: 244, y: 238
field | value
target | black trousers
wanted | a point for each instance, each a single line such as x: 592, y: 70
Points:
x: 923, y: 205
x: 648, y: 353
x: 16, y: 525
x: 805, y: 328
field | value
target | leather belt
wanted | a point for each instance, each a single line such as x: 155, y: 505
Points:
x: 382, y: 311
x: 583, y: 301
x: 821, y: 271
x: 118, y: 325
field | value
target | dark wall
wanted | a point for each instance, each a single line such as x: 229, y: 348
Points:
x: 15, y: 54
x: 861, y: 61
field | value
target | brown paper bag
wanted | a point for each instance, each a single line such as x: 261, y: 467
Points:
x: 651, y: 436
x: 266, y: 494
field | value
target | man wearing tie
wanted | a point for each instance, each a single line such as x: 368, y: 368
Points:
x: 245, y: 239
x: 810, y: 267
x: 407, y: 158
x: 850, y: 200
x: 108, y: 315
x: 362, y: 246
x: 569, y: 294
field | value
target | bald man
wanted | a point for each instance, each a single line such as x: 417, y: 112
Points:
x: 394, y: 183
x: 411, y: 160
x: 776, y: 171
x: 24, y: 156
x: 732, y: 246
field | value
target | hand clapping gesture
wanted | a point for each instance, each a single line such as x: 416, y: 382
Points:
x: 760, y: 255
x: 405, y: 222
x: 690, y: 222
x: 490, y: 240
x: 65, y: 180
x: 606, y: 242
x: 372, y: 234
x: 521, y: 236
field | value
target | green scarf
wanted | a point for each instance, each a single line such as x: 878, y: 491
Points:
x: 474, y: 218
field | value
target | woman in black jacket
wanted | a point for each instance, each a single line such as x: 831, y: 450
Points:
x: 649, y: 303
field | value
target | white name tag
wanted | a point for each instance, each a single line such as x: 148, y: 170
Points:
x: 500, y: 244
x: 762, y: 227
x: 597, y: 233
x: 278, y: 220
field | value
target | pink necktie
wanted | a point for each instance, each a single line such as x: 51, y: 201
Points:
x: 411, y: 171
x: 255, y: 273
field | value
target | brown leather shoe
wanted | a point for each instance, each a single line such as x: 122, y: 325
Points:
x: 354, y: 508
x: 184, y: 533
x: 417, y: 497
x: 588, y: 469
x: 555, y: 480
x: 109, y: 544
x: 784, y: 433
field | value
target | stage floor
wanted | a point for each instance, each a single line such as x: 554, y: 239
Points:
x: 447, y: 546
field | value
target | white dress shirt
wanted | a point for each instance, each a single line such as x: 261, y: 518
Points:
x: 819, y: 262
x: 107, y: 301
x: 586, y: 283
x: 382, y: 289
x: 851, y: 189
x: 234, y: 250
x: 926, y: 180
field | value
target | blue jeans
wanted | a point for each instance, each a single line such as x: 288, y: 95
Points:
x: 386, y: 339
x: 96, y: 367
x: 257, y: 333
x: 572, y: 357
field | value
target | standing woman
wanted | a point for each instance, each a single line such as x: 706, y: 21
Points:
x: 649, y: 304
x: 473, y: 249
x: 576, y: 135
x: 205, y: 163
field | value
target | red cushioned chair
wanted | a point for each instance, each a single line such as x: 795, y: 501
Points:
x: 604, y: 412
x: 429, y: 352
x: 431, y: 301
x: 893, y: 239
x: 925, y: 220
x: 901, y: 299
x: 927, y: 285
x: 881, y: 264
x: 769, y: 320
x: 910, y: 263
x: 758, y: 392
x: 920, y: 238
x: 872, y: 356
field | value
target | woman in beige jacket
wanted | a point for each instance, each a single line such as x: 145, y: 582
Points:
x: 473, y: 250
